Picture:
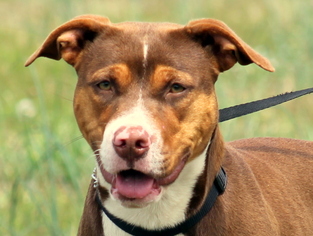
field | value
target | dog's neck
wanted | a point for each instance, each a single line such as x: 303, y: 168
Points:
x: 212, y: 165
x: 178, y: 201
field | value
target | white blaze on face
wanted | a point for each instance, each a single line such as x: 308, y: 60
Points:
x: 137, y: 116
x: 145, y: 51
x: 145, y: 54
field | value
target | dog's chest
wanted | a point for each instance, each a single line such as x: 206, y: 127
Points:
x: 167, y: 212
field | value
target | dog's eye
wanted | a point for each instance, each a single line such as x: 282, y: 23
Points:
x: 105, y: 85
x: 176, y: 88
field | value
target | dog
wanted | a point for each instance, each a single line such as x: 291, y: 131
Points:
x: 145, y: 102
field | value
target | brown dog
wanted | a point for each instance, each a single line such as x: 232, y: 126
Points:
x: 145, y: 102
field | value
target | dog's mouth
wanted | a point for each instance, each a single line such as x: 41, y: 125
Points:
x: 131, y: 185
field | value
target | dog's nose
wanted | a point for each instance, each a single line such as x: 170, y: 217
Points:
x: 131, y: 143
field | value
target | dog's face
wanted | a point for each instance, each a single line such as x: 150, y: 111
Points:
x: 144, y: 112
x: 145, y: 99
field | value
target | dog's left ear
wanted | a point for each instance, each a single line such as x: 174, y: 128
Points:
x: 227, y: 47
x: 68, y: 40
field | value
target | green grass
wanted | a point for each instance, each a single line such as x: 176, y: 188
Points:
x: 46, y: 165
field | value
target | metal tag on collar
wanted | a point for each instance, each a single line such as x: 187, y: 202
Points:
x: 94, y: 177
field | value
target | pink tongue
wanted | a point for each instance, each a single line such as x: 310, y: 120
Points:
x: 133, y: 184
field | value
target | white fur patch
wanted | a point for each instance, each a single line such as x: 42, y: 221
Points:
x: 145, y: 52
x: 137, y: 116
x: 168, y: 211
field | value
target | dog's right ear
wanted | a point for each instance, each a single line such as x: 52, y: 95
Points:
x: 68, y: 40
x: 225, y: 45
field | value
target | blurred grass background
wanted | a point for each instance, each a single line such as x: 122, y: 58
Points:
x: 46, y: 165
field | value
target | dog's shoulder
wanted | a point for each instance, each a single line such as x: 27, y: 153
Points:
x: 271, y: 148
x: 273, y: 175
x: 289, y: 157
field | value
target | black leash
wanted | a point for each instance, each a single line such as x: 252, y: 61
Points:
x: 251, y: 107
x: 218, y: 188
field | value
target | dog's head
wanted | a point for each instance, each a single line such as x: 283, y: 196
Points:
x: 145, y: 99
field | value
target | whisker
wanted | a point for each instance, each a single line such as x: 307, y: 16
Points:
x: 73, y: 140
x: 66, y: 99
x: 96, y: 152
x: 96, y: 142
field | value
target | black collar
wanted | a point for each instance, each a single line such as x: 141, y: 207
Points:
x: 218, y: 188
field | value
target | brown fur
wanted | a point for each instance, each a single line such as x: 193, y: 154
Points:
x: 269, y: 189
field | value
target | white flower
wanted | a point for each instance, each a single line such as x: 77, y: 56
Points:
x: 25, y: 108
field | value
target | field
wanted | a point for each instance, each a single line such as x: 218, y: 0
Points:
x: 46, y: 165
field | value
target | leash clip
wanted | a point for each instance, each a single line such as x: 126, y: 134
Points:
x: 94, y: 177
